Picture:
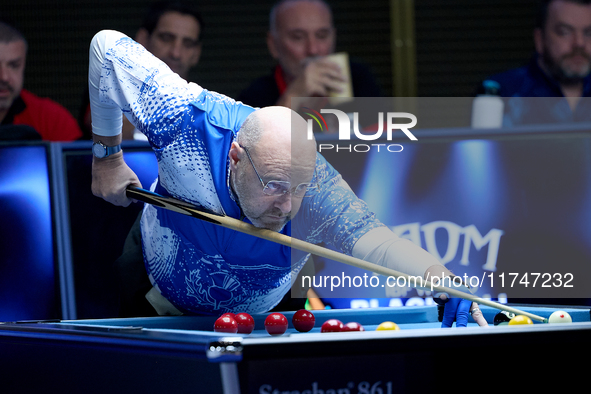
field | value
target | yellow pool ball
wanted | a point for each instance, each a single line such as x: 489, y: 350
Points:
x: 560, y: 317
x: 520, y: 319
x: 387, y: 325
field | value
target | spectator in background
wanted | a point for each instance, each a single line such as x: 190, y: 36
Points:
x: 301, y: 33
x: 559, y: 69
x: 172, y: 32
x: 18, y: 106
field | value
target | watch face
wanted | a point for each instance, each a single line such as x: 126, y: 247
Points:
x: 98, y: 150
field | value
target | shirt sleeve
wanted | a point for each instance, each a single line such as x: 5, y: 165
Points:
x: 334, y: 215
x: 382, y: 247
x: 125, y: 78
x: 337, y: 217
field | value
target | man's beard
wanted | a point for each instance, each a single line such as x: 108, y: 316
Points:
x: 255, y: 219
x: 562, y: 74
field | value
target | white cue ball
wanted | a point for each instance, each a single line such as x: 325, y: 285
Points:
x: 560, y: 317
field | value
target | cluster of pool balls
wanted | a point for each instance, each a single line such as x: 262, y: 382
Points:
x: 277, y: 324
x: 511, y: 319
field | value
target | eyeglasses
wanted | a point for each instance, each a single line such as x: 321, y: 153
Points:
x: 279, y: 188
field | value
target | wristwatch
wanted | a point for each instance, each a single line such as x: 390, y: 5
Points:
x: 100, y: 150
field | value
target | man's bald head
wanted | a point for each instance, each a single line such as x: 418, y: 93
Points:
x: 277, y: 128
x: 271, y: 148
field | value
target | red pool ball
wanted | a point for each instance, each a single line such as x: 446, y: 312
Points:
x: 232, y: 315
x: 352, y: 326
x: 303, y: 320
x: 245, y: 323
x: 225, y: 323
x: 276, y: 324
x: 332, y: 325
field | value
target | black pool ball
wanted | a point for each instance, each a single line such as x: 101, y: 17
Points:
x: 503, y: 317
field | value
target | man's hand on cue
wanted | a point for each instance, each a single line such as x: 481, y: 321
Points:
x: 111, y: 175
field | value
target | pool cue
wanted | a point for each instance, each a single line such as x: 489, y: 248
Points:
x: 186, y: 208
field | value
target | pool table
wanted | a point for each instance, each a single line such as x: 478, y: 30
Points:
x: 182, y: 354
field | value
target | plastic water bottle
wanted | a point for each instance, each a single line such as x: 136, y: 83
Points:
x: 487, y: 107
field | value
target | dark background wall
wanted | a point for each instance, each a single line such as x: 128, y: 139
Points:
x: 458, y: 42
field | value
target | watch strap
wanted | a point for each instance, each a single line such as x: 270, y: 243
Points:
x: 111, y: 150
